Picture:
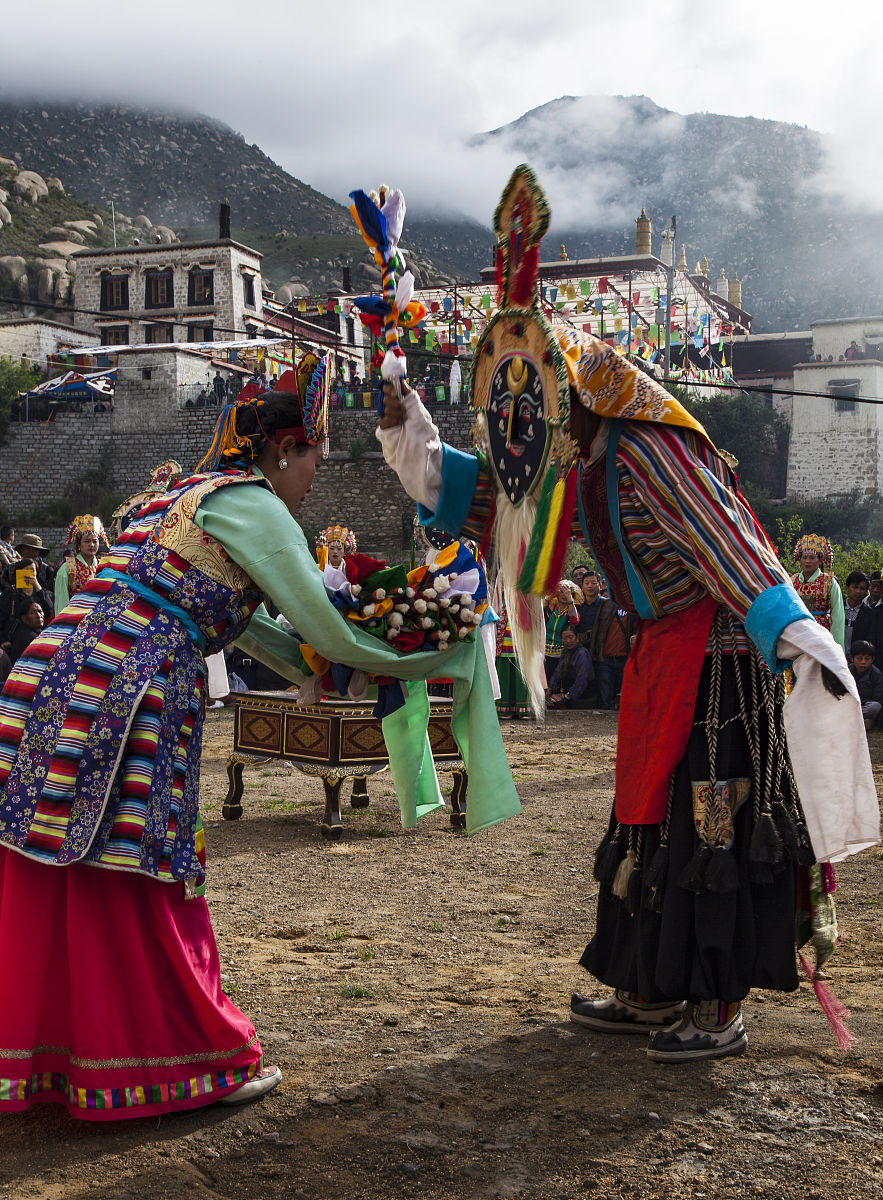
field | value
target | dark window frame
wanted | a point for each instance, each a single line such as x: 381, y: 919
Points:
x: 248, y: 289
x: 111, y: 284
x: 152, y: 280
x: 844, y: 393
x: 207, y: 329
x: 200, y: 279
x: 151, y: 329
x: 115, y: 335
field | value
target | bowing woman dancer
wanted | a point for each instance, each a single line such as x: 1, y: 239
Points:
x: 113, y: 1004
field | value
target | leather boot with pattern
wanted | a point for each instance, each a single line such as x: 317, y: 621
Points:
x: 709, y: 1029
x: 624, y: 1012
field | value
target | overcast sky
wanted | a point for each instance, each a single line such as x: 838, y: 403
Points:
x: 344, y: 93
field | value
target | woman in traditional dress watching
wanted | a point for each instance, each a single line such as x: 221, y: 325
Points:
x: 85, y: 537
x: 817, y: 586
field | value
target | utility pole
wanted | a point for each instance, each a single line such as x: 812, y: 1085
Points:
x: 669, y: 288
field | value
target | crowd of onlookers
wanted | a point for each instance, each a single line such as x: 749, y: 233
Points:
x: 588, y: 638
x: 27, y: 599
x: 863, y: 640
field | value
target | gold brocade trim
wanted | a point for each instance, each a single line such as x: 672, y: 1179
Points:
x: 179, y: 532
x: 107, y: 1064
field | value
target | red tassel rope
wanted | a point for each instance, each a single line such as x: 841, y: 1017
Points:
x: 836, y: 1012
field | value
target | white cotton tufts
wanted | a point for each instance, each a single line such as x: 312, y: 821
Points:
x: 432, y: 606
x: 463, y: 632
x: 391, y: 633
x: 395, y: 619
x: 394, y: 212
x: 442, y: 583
x: 444, y: 645
x: 410, y: 593
x: 445, y: 602
x: 455, y: 608
x: 466, y: 600
x: 369, y: 610
x: 405, y: 291
x: 403, y: 608
x: 394, y: 366
x: 380, y: 594
x: 426, y: 622
x: 356, y: 589
x: 430, y: 593
x: 444, y: 634
x: 420, y: 606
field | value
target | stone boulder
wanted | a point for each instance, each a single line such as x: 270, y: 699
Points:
x: 13, y: 267
x: 293, y: 290
x: 9, y: 163
x: 46, y: 286
x: 165, y: 234
x: 63, y: 249
x: 142, y: 222
x: 4, y: 195
x: 30, y: 185
x: 60, y: 233
x: 54, y: 183
x: 87, y: 228
x: 5, y: 215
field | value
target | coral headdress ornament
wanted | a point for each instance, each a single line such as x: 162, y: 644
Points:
x: 86, y: 524
x: 816, y: 544
x: 309, y: 381
x: 338, y: 533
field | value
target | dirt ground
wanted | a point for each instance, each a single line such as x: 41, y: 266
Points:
x: 414, y: 987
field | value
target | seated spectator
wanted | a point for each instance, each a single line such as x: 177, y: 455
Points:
x: 30, y: 622
x: 868, y: 680
x: 8, y: 553
x: 28, y: 577
x: 560, y: 610
x: 857, y: 587
x: 573, y: 681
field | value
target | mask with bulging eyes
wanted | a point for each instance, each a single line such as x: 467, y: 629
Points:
x: 517, y: 432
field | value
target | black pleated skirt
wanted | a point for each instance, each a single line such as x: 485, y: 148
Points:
x: 672, y: 937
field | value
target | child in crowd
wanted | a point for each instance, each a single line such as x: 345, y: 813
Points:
x: 868, y: 680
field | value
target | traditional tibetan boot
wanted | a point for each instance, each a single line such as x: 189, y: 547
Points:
x: 709, y: 1029
x: 624, y: 1012
x: 265, y: 1080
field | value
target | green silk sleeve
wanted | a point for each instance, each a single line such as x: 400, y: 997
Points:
x: 259, y: 534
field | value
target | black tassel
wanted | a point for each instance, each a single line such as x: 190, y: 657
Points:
x: 633, y: 892
x: 693, y: 875
x: 786, y: 829
x: 766, y: 845
x: 607, y: 859
x: 654, y: 880
x: 722, y: 874
x: 760, y: 873
x: 806, y: 856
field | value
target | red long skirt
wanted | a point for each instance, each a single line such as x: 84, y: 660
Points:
x: 110, y: 995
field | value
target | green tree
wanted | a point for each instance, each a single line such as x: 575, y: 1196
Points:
x: 15, y: 377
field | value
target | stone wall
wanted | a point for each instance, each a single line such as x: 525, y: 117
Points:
x: 40, y: 462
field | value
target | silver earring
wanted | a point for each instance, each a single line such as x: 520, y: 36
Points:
x: 283, y: 463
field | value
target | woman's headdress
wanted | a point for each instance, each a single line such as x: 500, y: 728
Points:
x: 816, y: 544
x: 338, y: 533
x: 308, y: 381
x: 86, y: 524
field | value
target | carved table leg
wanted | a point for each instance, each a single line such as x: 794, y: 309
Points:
x: 332, y: 826
x: 231, y: 809
x: 360, y: 797
x: 458, y: 799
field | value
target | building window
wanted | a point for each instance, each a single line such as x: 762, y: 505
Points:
x: 350, y: 331
x: 147, y: 372
x: 114, y: 292
x: 251, y: 331
x: 115, y: 335
x: 844, y: 392
x: 200, y: 286
x: 158, y: 334
x: 201, y: 333
x: 159, y: 289
x: 248, y: 289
